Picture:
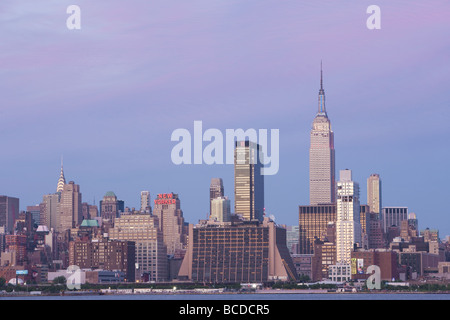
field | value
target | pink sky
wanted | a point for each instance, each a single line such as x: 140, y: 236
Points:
x: 109, y: 95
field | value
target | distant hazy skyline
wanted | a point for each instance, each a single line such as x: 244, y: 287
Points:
x: 107, y: 97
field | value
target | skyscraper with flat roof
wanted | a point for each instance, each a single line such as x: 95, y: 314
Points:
x: 393, y: 216
x: 321, y: 155
x: 151, y: 253
x: 241, y: 251
x: 145, y: 201
x: 374, y: 193
x: 248, y: 181
x: 313, y: 223
x: 220, y: 209
x: 9, y: 210
x: 348, y: 225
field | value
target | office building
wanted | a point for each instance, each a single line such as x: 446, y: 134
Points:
x: 35, y: 213
x: 340, y: 272
x: 102, y: 253
x: 71, y: 214
x: 376, y: 235
x: 85, y: 211
x: 241, y: 251
x: 50, y: 211
x: 348, y: 226
x: 292, y: 238
x: 364, y: 221
x: 248, y: 181
x: 24, y: 223
x: 321, y: 156
x: 325, y: 254
x: 145, y: 202
x: 220, y: 209
x: 430, y: 235
x: 110, y: 206
x: 171, y: 221
x: 151, y: 253
x: 407, y: 232
x: 304, y: 266
x: 393, y: 216
x: 313, y: 224
x: 216, y: 190
x: 18, y: 244
x: 374, y: 193
x: 413, y: 222
x: 9, y: 210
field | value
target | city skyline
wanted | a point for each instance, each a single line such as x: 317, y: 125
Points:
x: 107, y: 97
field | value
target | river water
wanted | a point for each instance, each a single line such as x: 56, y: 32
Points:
x: 246, y: 297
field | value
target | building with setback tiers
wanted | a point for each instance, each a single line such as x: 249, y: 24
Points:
x: 322, y: 155
x: 171, y: 221
x: 239, y: 251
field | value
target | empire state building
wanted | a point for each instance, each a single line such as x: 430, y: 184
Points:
x: 322, y: 188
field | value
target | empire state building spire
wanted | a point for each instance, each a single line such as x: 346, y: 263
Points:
x: 61, y: 180
x: 321, y: 108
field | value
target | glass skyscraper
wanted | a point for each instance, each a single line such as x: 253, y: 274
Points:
x: 248, y: 181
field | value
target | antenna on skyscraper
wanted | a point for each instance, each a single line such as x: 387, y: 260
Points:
x: 321, y: 75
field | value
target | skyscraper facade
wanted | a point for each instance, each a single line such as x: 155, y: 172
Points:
x: 216, y: 190
x: 71, y: 214
x: 322, y: 156
x: 313, y: 223
x: 9, y: 210
x: 393, y: 216
x: 348, y: 226
x: 374, y: 193
x: 145, y: 201
x: 220, y: 209
x: 151, y: 253
x: 110, y: 206
x: 248, y: 181
x: 35, y: 213
x: 171, y: 222
x: 240, y: 251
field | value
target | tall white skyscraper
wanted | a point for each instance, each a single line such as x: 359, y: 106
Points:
x: 322, y: 188
x: 220, y: 209
x: 348, y: 226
